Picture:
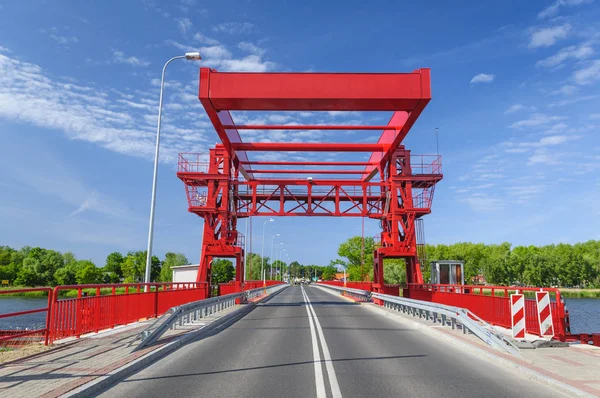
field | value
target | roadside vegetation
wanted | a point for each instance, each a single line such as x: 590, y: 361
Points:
x: 575, y: 269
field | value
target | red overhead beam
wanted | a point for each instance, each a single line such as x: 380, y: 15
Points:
x: 315, y: 91
x: 307, y: 147
x: 305, y: 171
x: 307, y: 163
x: 307, y: 127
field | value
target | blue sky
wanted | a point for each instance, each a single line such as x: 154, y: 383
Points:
x: 515, y: 97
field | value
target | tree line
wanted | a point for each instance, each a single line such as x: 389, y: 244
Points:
x: 561, y: 265
x: 44, y: 267
x: 37, y: 266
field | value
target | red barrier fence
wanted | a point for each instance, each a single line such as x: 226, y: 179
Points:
x: 23, y: 336
x: 492, y: 303
x: 100, y: 306
x: 85, y: 313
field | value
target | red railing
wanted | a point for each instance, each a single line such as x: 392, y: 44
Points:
x: 492, y: 303
x: 192, y: 163
x: 426, y: 164
x: 21, y: 336
x: 122, y: 304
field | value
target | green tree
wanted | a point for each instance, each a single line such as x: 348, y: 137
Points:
x: 87, y: 273
x: 134, y: 267
x: 27, y: 277
x: 222, y: 271
x: 130, y: 273
x: 172, y: 260
x: 113, y: 264
x: 65, y: 276
x: 329, y: 273
x: 353, y: 254
x: 394, y: 271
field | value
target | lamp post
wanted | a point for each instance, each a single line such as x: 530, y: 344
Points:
x: 277, y: 252
x: 192, y: 56
x: 279, y: 258
x: 272, y: 240
x: 262, y: 252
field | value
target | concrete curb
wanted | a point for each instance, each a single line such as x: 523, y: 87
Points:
x: 101, y: 383
x: 518, y: 369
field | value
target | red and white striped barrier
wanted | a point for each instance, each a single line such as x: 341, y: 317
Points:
x: 544, y: 314
x: 517, y: 311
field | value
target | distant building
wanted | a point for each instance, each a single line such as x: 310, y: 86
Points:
x: 339, y: 276
x: 185, y: 273
x: 479, y: 280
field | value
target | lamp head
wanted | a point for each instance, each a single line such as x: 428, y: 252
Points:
x: 193, y: 56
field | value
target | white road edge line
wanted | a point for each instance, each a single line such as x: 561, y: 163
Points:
x: 333, y: 382
x: 319, y: 380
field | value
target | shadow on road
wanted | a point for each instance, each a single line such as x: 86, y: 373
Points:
x: 133, y: 379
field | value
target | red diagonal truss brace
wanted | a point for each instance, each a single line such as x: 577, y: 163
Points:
x: 392, y: 186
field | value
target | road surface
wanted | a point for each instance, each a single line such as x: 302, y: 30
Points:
x: 331, y: 347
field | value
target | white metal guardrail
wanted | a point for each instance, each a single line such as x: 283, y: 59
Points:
x: 356, y: 293
x: 450, y: 316
x: 446, y: 315
x: 190, y: 312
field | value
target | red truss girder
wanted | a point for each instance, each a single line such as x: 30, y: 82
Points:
x: 400, y: 195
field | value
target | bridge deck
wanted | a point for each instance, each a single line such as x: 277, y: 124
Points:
x: 269, y: 353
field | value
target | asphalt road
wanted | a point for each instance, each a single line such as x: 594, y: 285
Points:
x: 342, y: 349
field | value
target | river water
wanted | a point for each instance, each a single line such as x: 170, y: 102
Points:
x: 585, y: 314
x: 29, y: 321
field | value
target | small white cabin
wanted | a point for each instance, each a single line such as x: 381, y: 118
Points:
x: 185, y: 273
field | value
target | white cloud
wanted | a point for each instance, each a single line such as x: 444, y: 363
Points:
x: 250, y: 48
x: 542, y: 156
x: 567, y: 89
x: 573, y: 52
x: 483, y: 78
x: 220, y: 57
x: 483, y: 202
x: 47, y: 176
x: 206, y: 40
x: 215, y: 52
x: 55, y: 34
x: 595, y: 116
x: 4, y: 50
x: 184, y: 24
x: 120, y: 58
x: 589, y: 74
x: 572, y: 101
x: 514, y: 108
x: 546, y: 37
x: 544, y: 142
x: 537, y: 119
x: 30, y: 95
x: 554, y: 8
x: 233, y: 28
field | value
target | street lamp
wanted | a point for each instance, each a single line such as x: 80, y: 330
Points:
x: 272, y: 239
x: 279, y: 258
x: 262, y: 252
x: 277, y: 252
x: 191, y: 56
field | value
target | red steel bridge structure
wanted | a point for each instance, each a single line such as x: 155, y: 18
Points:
x: 390, y: 185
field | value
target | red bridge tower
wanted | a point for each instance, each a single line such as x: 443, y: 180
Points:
x: 391, y: 186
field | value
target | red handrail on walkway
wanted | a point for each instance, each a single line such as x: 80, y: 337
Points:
x: 15, y: 336
x: 86, y: 314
